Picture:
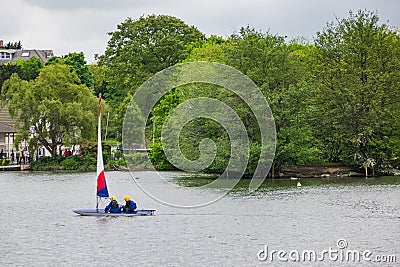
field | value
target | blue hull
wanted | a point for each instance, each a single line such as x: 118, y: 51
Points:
x: 100, y: 212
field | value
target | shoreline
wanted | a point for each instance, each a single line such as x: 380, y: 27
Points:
x: 16, y: 167
x: 293, y: 172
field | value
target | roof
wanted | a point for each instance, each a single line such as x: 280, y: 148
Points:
x: 5, y: 128
x: 5, y: 117
x: 43, y: 55
x: 26, y: 54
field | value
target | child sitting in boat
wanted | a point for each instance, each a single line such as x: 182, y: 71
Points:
x: 113, y: 207
x: 130, y: 206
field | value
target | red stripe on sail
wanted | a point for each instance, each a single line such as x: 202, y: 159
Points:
x: 101, y: 181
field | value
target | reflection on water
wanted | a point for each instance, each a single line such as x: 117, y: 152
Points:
x: 193, y: 180
x: 37, y: 226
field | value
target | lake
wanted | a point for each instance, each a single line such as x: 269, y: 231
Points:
x: 359, y: 216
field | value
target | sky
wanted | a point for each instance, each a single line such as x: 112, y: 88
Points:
x: 82, y: 25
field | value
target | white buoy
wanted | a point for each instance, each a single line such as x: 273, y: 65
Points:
x: 298, y: 184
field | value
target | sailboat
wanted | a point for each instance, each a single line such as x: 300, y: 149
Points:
x: 102, y: 190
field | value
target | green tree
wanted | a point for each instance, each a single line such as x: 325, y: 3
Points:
x: 14, y: 45
x: 282, y: 73
x: 140, y: 48
x: 61, y: 109
x: 99, y: 84
x: 258, y: 55
x: 159, y: 114
x: 7, y: 70
x: 30, y: 68
x: 118, y: 116
x: 209, y: 49
x: 291, y: 103
x: 26, y: 69
x: 357, y: 70
x: 77, y: 63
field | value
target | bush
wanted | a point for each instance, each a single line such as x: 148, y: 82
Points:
x: 157, y: 158
x: 89, y: 162
x: 5, y: 162
x: 47, y: 163
x: 121, y: 162
x: 136, y: 161
x: 72, y: 163
x: 118, y: 154
x: 90, y: 149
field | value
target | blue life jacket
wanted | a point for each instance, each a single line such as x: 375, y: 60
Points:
x: 130, y: 206
x: 113, y: 207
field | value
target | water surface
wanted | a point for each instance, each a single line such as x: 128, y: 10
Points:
x: 38, y: 227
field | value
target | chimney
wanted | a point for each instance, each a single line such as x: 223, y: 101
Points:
x: 1, y: 43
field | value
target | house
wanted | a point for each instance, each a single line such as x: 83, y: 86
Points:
x: 11, y: 55
x: 7, y: 134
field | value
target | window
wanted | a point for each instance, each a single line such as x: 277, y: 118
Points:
x: 5, y: 55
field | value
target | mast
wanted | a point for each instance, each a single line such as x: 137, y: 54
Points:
x: 102, y: 190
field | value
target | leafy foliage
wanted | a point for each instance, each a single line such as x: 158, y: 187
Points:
x: 47, y: 163
x: 333, y: 100
x: 30, y: 68
x: 140, y: 48
x: 89, y: 149
x: 13, y: 45
x: 77, y: 63
x: 357, y: 70
x: 99, y: 84
x: 60, y: 108
x: 26, y: 69
x: 7, y: 70
x: 71, y: 163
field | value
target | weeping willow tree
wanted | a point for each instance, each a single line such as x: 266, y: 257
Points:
x: 53, y: 109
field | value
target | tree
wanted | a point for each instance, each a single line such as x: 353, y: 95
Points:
x: 6, y: 71
x: 77, y: 63
x: 258, y: 55
x: 291, y: 102
x: 99, y: 84
x: 140, y: 48
x: 357, y: 70
x: 30, y: 68
x: 118, y: 116
x: 61, y: 109
x: 14, y: 45
x: 282, y: 73
x: 26, y: 69
x: 209, y: 49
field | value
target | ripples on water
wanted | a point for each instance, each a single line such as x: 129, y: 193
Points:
x: 38, y: 228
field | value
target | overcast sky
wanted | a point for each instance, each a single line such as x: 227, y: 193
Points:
x: 82, y: 25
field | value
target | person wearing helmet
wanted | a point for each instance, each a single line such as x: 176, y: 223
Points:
x: 130, y: 206
x: 113, y: 207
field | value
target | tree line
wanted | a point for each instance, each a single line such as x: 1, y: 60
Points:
x: 335, y: 99
x: 13, y: 45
